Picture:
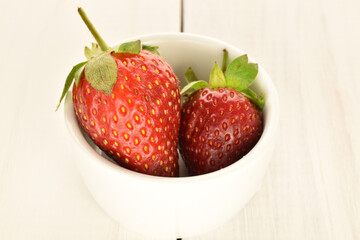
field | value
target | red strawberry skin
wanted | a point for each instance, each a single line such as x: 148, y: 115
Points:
x: 137, y: 125
x: 218, y: 127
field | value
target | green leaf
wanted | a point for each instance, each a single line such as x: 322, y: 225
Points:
x: 133, y: 47
x: 101, y: 72
x: 195, y: 85
x: 78, y: 74
x: 190, y: 75
x: 259, y: 101
x: 69, y: 81
x: 88, y: 53
x: 93, y: 51
x: 240, y: 74
x: 217, y: 78
x: 152, y: 49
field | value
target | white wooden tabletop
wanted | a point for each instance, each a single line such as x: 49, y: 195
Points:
x: 310, y: 49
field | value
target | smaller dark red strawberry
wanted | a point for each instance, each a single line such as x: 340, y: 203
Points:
x: 221, y: 121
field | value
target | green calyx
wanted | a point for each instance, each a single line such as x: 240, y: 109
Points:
x: 100, y: 68
x: 238, y: 75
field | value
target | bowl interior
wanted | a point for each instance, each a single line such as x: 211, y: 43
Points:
x: 184, y: 50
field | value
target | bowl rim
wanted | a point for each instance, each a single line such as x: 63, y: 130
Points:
x: 269, y: 128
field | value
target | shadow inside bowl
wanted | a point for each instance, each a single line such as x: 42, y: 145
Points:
x: 182, y: 168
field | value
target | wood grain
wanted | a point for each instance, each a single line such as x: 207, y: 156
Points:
x: 309, y: 48
x: 41, y: 193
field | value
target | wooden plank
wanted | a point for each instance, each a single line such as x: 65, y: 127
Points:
x: 310, y: 48
x: 41, y: 193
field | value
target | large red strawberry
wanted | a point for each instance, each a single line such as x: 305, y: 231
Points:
x: 127, y: 100
x: 222, y: 120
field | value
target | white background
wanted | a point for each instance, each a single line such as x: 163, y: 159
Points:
x: 309, y: 48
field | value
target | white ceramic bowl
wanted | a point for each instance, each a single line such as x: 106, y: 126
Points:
x: 178, y: 207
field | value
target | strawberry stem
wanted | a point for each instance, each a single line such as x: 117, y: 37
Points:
x: 225, y: 60
x: 93, y: 31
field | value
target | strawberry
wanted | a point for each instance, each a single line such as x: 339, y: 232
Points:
x: 127, y: 100
x: 222, y: 120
